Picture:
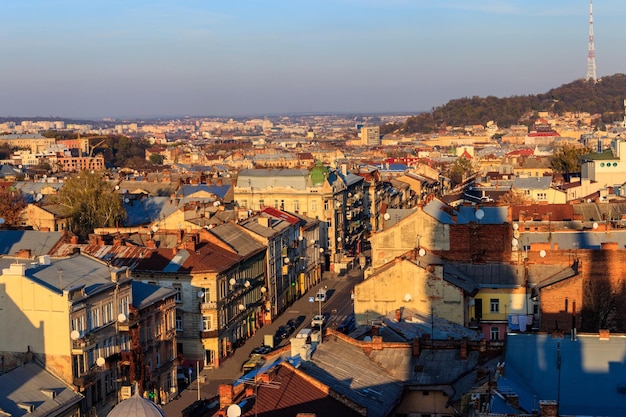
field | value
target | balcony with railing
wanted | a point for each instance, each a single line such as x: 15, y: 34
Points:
x: 82, y: 345
x: 130, y: 322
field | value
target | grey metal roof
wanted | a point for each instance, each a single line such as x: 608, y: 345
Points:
x: 264, y: 178
x: 147, y: 294
x: 237, y: 239
x: 136, y: 406
x: 575, y: 239
x: 532, y: 183
x: 32, y: 385
x: 148, y: 210
x: 39, y: 243
x: 350, y: 372
x: 65, y: 273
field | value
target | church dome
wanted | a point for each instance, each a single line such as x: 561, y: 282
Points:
x: 136, y: 406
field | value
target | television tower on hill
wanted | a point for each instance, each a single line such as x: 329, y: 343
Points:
x: 591, y: 52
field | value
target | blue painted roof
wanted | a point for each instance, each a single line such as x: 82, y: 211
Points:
x: 592, y: 372
x: 466, y: 214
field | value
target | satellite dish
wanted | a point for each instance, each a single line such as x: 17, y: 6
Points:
x: 263, y: 290
x: 216, y: 203
x: 155, y: 228
x: 44, y: 176
x: 100, y: 361
x: 516, y: 234
x: 515, y: 226
x: 480, y: 214
x: 242, y: 307
x: 595, y: 225
x: 38, y: 197
x: 246, y: 284
x: 514, y: 242
x: 542, y: 253
x: 126, y: 200
x: 233, y: 411
x: 117, y: 187
x: 200, y: 294
x: 321, y: 250
x: 286, y: 260
x: 387, y: 216
x: 367, y: 339
x: 75, y: 335
x: 121, y: 317
x: 422, y: 252
x: 312, y: 242
x: 232, y: 281
x: 407, y: 297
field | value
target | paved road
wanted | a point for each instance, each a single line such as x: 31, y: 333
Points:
x: 338, y: 307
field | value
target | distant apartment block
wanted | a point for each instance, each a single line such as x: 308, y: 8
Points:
x: 370, y: 135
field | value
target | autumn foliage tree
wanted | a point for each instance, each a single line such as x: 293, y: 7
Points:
x: 92, y: 203
x: 12, y: 205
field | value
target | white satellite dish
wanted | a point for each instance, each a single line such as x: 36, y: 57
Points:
x: 246, y: 284
x: 242, y: 307
x: 232, y: 281
x: 595, y: 225
x: 407, y: 297
x: 233, y: 411
x: 117, y: 187
x: 126, y: 200
x: 155, y: 228
x: 75, y: 335
x: 542, y: 253
x: 121, y: 317
x: 200, y: 294
x: 367, y: 339
x: 386, y: 216
x: 422, y: 252
x: 515, y: 226
x: 514, y: 242
x: 263, y: 290
x: 480, y: 214
x: 216, y: 203
x: 516, y: 234
x: 100, y: 361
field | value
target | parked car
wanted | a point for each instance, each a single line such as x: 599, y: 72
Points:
x: 292, y: 324
x: 318, y: 320
x: 261, y: 350
x: 282, y: 332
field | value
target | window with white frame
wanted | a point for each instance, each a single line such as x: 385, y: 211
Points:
x: 314, y: 205
x: 494, y: 333
x: 207, y: 323
x: 495, y: 305
x: 296, y: 206
x: 179, y: 293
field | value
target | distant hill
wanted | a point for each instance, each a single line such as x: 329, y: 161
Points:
x: 606, y: 97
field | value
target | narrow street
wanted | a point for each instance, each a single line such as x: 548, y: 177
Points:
x: 337, y: 308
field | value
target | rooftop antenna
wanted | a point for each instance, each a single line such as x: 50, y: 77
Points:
x: 591, y: 52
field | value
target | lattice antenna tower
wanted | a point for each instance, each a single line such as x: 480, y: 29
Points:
x: 591, y: 52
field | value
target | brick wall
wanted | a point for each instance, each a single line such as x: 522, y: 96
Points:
x: 479, y: 243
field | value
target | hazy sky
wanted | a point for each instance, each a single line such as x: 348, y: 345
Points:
x: 114, y: 58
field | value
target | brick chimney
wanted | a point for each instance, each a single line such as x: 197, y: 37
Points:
x: 609, y: 246
x: 227, y: 393
x: 512, y: 399
x: 118, y: 241
x: 416, y: 347
x: 548, y: 408
x: 604, y: 334
x: 398, y: 315
x: 23, y: 253
x: 151, y: 243
x: 74, y: 240
x: 463, y: 349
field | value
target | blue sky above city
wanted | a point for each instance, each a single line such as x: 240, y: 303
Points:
x: 121, y: 58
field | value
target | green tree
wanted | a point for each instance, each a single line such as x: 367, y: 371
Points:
x: 567, y: 159
x: 460, y: 170
x: 92, y: 203
x: 157, y: 159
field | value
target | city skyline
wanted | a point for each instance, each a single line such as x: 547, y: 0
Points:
x: 193, y: 58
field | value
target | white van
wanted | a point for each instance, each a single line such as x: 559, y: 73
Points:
x: 304, y: 334
x: 321, y: 295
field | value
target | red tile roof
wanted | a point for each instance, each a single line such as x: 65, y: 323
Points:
x: 291, y: 393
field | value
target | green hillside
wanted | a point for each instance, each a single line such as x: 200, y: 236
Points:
x: 605, y: 97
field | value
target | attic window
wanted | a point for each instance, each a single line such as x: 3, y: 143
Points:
x: 27, y: 406
x: 49, y: 392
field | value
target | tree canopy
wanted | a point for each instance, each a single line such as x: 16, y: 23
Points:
x: 92, y: 203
